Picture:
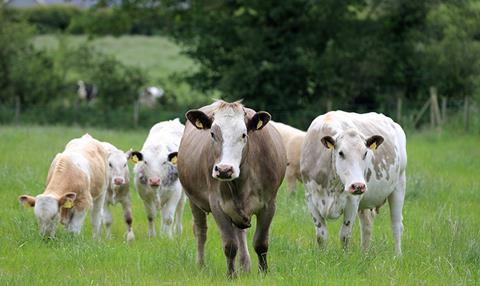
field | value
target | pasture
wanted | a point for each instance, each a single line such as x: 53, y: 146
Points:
x: 441, y: 242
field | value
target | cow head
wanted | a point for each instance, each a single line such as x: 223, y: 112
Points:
x: 47, y: 210
x: 351, y: 156
x: 229, y: 129
x: 118, y: 168
x: 155, y: 166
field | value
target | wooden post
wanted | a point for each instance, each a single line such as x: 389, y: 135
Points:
x: 136, y: 107
x: 17, y: 109
x: 444, y: 109
x: 435, y: 117
x: 421, y: 112
x: 329, y: 105
x: 466, y: 113
x: 399, y: 109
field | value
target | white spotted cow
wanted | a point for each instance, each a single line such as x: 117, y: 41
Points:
x: 293, y: 140
x: 156, y: 177
x: 352, y: 163
x: 118, y: 190
x: 76, y: 181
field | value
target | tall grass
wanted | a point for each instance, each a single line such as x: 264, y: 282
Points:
x: 441, y: 241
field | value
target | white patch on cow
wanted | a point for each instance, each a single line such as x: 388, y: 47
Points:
x: 232, y: 124
x: 46, y: 211
x: 81, y: 162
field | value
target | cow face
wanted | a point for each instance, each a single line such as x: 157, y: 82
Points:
x: 118, y: 168
x: 155, y: 167
x: 229, y: 128
x: 47, y: 210
x: 351, y: 158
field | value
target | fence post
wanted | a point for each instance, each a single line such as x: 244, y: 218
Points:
x: 399, y: 108
x: 444, y: 109
x: 136, y: 107
x: 435, y: 119
x: 466, y: 113
x: 17, y: 109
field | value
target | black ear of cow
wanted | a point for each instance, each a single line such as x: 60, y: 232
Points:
x: 199, y: 119
x: 172, y: 158
x: 258, y: 121
x: 374, y: 141
x: 328, y: 142
x: 136, y: 156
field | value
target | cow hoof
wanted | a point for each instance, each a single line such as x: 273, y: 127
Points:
x: 130, y: 236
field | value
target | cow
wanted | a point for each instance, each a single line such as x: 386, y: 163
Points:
x: 352, y: 163
x: 86, y: 91
x: 156, y: 177
x: 293, y: 141
x: 118, y: 190
x: 76, y: 181
x: 231, y: 163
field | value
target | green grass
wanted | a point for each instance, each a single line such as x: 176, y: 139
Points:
x: 159, y: 56
x: 441, y: 216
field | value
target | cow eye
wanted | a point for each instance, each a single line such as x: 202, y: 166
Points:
x: 244, y: 135
x: 125, y: 165
x: 213, y: 135
x: 341, y: 154
x: 365, y: 155
x: 110, y: 164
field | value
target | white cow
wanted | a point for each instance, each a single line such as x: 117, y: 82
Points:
x: 118, y: 190
x: 76, y: 181
x: 293, y: 140
x: 344, y: 172
x: 156, y: 176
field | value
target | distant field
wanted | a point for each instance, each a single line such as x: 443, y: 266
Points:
x: 441, y: 242
x: 159, y: 56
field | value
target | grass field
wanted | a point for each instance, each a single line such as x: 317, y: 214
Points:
x: 441, y: 241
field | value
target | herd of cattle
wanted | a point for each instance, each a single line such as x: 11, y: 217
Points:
x: 230, y: 161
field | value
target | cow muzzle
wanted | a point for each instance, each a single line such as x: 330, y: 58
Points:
x: 223, y: 172
x: 118, y: 181
x: 154, y: 182
x: 357, y: 188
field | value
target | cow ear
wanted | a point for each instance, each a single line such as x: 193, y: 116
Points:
x: 374, y: 141
x: 328, y: 142
x: 66, y: 201
x: 27, y: 201
x: 172, y: 158
x: 258, y: 121
x: 136, y: 156
x: 199, y: 119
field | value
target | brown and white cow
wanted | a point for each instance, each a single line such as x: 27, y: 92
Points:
x: 352, y: 163
x: 231, y: 163
x: 118, y: 190
x: 76, y: 181
x: 293, y: 141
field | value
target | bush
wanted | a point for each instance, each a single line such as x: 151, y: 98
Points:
x: 51, y: 18
x: 105, y: 21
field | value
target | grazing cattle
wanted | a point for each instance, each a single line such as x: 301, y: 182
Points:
x: 86, y: 91
x: 76, y: 181
x: 156, y: 177
x: 231, y: 163
x: 118, y: 190
x: 150, y: 95
x: 293, y: 141
x: 353, y: 163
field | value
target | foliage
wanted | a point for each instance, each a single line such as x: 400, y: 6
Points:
x: 105, y: 21
x: 51, y: 18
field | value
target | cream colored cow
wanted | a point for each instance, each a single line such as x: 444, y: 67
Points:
x: 76, y: 181
x: 293, y: 140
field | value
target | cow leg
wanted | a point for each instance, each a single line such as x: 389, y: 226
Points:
x: 229, y: 237
x: 150, y: 204
x: 127, y: 216
x: 291, y: 179
x: 179, y: 213
x: 97, y: 214
x: 244, y: 255
x: 366, y: 223
x: 395, y: 201
x: 107, y: 220
x: 200, y: 232
x: 168, y: 212
x: 350, y: 213
x: 260, y: 239
x: 318, y: 220
x: 76, y: 222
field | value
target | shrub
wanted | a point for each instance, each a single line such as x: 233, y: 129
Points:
x: 51, y: 18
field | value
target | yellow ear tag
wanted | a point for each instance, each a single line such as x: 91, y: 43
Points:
x: 199, y: 124
x: 68, y: 204
x: 259, y: 124
x: 135, y: 159
x: 174, y: 160
x: 330, y: 145
x: 373, y: 146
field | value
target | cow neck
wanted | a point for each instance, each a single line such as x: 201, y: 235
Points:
x: 335, y: 183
